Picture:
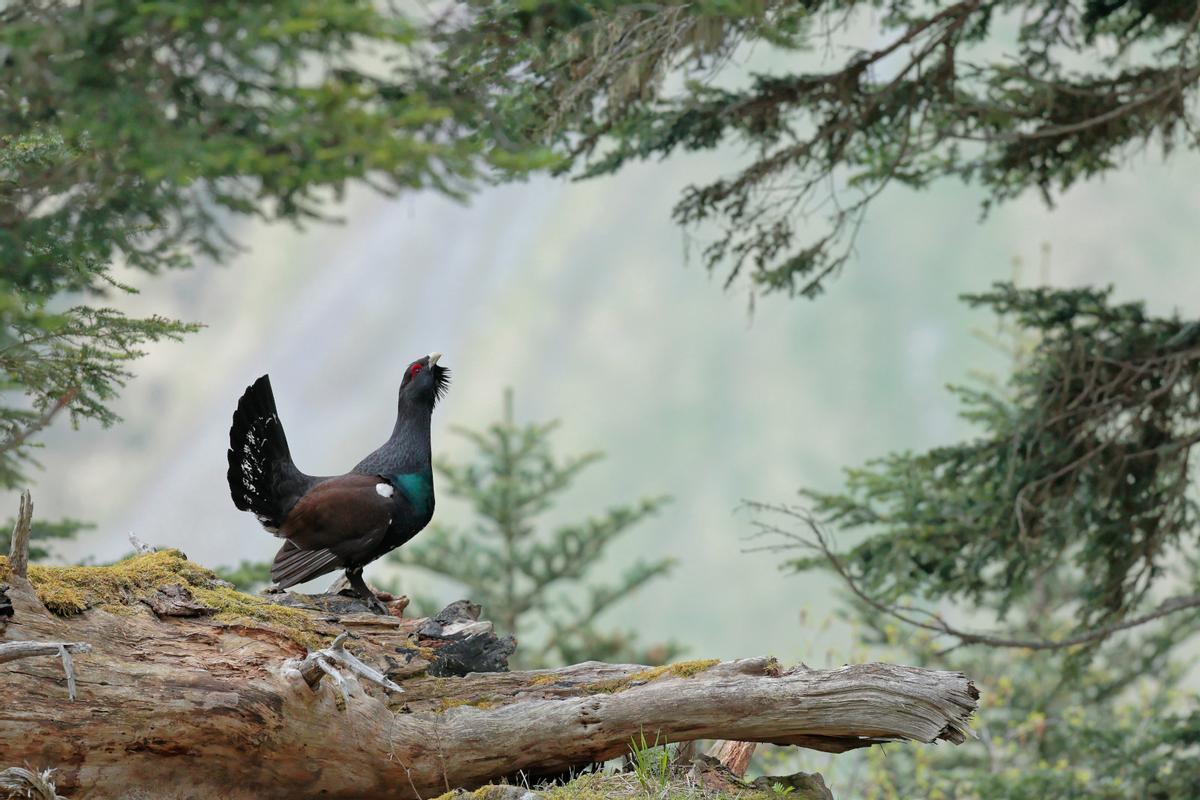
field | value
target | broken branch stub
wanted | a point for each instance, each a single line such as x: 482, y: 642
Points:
x: 18, y: 553
x: 11, y: 651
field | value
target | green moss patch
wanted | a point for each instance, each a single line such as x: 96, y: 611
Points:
x: 118, y: 588
x: 682, y: 669
x: 624, y: 786
x: 478, y: 702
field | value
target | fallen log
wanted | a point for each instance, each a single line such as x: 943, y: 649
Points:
x: 192, y: 689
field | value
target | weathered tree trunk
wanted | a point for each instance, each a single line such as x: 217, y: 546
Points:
x: 190, y: 689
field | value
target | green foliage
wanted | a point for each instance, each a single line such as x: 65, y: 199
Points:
x: 1083, y: 464
x: 247, y: 576
x: 1122, y: 726
x: 516, y: 568
x: 1005, y: 95
x: 131, y: 133
x: 1070, y: 513
x: 76, y: 359
x: 651, y: 765
x: 609, y: 785
x: 41, y: 534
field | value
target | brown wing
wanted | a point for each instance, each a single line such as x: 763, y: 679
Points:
x: 339, y: 522
x: 293, y: 565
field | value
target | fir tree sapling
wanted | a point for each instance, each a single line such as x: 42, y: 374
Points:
x: 521, y: 571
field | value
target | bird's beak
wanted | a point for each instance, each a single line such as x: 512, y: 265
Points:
x: 433, y: 358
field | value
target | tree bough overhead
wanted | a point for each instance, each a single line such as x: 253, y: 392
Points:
x: 133, y: 133
x: 178, y: 678
x: 1005, y: 95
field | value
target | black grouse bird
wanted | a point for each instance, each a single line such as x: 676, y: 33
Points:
x: 348, y: 521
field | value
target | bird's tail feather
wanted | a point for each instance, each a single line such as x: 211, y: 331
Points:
x: 262, y: 477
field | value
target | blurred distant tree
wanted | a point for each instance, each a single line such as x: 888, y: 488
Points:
x: 1069, y: 524
x: 516, y: 569
x: 1006, y: 95
x: 249, y: 576
x: 132, y: 133
x: 40, y: 534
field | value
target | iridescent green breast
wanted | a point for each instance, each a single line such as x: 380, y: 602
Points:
x: 418, y: 488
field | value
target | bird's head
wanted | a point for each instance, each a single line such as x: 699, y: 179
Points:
x: 424, y: 382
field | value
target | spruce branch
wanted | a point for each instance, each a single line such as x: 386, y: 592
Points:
x: 931, y: 621
x: 627, y: 82
x: 16, y: 438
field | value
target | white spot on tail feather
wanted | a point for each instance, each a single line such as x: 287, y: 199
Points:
x: 385, y: 489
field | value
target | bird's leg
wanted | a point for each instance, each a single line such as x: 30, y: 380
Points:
x: 354, y: 576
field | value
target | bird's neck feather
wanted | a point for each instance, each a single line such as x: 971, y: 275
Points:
x: 408, y: 462
x: 409, y: 442
x: 407, y: 450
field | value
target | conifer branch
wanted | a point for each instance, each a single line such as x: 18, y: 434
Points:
x: 935, y: 623
x: 932, y: 102
x: 16, y: 438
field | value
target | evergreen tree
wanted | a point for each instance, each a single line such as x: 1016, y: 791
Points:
x: 248, y: 576
x: 41, y: 534
x: 518, y: 569
x: 1054, y: 557
x: 1010, y: 96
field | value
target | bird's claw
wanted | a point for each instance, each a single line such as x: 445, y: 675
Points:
x: 376, y: 605
x: 364, y: 593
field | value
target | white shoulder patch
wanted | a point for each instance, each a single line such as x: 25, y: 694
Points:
x: 267, y: 526
x: 385, y: 489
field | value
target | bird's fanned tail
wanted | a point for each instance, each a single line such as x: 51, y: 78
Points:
x: 262, y: 477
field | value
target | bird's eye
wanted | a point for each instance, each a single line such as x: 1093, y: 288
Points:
x: 414, y: 369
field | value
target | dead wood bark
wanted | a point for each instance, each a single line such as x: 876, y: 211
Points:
x: 735, y: 756
x: 210, y: 705
x: 18, y: 555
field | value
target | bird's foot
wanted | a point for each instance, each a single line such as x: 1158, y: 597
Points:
x: 375, y: 604
x: 364, y: 593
